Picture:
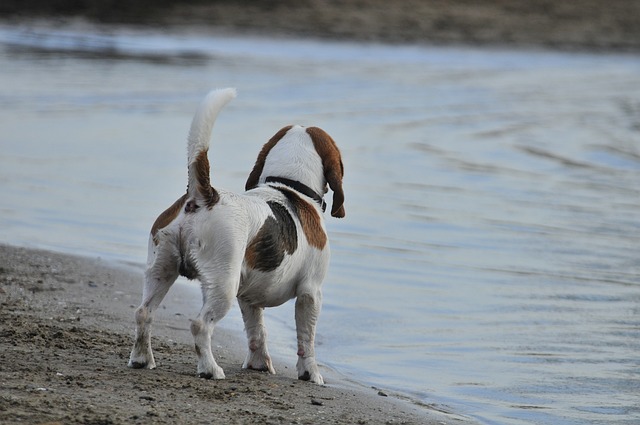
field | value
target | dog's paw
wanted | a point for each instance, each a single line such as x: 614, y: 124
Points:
x: 258, y: 360
x: 316, y: 378
x: 138, y: 365
x: 141, y: 362
x: 214, y: 372
x: 308, y: 371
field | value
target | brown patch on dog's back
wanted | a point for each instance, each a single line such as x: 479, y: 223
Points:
x: 276, y: 237
x: 309, y: 219
x: 167, y: 217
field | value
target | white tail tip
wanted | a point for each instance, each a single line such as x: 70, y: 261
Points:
x: 210, y: 107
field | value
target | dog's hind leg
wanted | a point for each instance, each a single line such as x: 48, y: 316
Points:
x: 159, y: 277
x: 218, y: 291
x: 308, y: 305
x: 258, y: 357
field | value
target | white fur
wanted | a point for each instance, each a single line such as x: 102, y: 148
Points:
x: 214, y: 241
x: 294, y: 157
x: 203, y: 120
x: 201, y: 126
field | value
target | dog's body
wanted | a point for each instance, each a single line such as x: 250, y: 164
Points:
x: 264, y: 247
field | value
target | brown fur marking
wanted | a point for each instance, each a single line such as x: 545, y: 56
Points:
x: 209, y: 194
x: 254, y: 176
x: 167, y: 217
x: 332, y: 165
x: 309, y: 219
x: 276, y: 237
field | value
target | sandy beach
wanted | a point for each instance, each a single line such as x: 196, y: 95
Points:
x: 66, y: 331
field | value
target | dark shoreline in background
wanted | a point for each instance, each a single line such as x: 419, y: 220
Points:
x: 578, y: 25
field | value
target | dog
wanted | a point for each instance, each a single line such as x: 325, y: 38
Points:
x: 263, y: 247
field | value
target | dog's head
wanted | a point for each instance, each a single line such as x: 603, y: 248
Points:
x: 307, y: 155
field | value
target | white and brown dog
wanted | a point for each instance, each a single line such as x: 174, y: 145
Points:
x: 263, y: 247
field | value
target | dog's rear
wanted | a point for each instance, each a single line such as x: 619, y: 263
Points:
x: 168, y: 254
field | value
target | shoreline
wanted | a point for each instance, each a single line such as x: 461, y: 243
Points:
x: 583, y: 25
x: 67, y: 329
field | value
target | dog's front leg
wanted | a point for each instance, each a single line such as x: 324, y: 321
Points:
x: 307, y: 310
x: 258, y: 357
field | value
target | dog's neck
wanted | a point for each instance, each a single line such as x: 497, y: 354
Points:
x: 299, y: 187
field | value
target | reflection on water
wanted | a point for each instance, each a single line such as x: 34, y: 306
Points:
x: 489, y: 259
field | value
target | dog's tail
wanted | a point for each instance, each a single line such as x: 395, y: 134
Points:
x: 199, y: 185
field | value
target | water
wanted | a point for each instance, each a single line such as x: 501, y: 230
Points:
x: 489, y: 262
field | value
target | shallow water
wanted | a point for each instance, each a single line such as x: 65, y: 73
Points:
x: 489, y: 262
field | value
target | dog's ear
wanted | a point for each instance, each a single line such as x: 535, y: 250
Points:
x: 332, y: 166
x: 254, y: 176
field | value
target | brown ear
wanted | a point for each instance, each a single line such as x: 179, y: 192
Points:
x: 254, y: 176
x: 332, y: 165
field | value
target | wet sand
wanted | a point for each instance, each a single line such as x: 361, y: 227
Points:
x: 66, y: 327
